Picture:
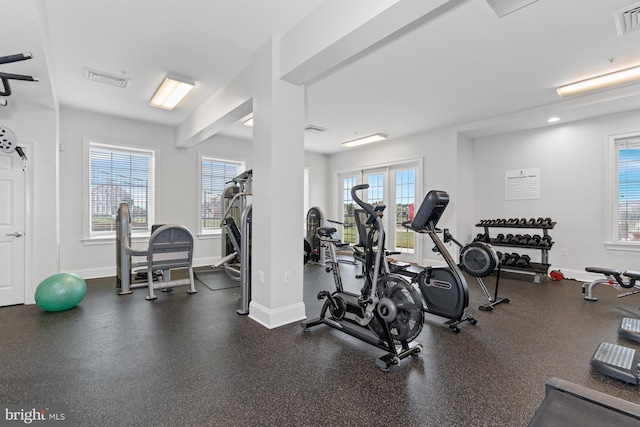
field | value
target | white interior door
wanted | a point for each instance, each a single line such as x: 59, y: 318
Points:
x: 12, y: 227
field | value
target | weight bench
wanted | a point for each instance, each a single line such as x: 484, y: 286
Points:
x: 614, y: 278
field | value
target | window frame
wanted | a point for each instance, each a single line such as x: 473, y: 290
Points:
x: 612, y: 240
x: 203, y: 157
x: 88, y: 144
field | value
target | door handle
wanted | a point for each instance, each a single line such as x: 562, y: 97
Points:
x: 16, y: 234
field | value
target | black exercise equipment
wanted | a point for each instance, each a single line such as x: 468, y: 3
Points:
x: 480, y: 260
x: 388, y: 311
x: 614, y: 278
x: 444, y: 289
x: 314, y: 251
x: 571, y: 405
x: 5, y: 77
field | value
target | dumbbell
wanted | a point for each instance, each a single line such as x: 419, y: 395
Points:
x: 546, y: 241
x: 534, y: 240
x: 511, y: 259
x: 500, y: 238
x: 522, y: 221
x: 524, y: 240
x: 523, y: 261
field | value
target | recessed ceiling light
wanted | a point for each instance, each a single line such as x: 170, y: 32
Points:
x: 171, y: 92
x: 553, y: 119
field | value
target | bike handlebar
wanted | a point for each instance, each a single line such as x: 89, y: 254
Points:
x: 364, y: 205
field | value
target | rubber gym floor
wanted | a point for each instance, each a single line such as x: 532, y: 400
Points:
x: 190, y: 360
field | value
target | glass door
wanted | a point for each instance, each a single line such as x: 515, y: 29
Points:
x: 393, y: 186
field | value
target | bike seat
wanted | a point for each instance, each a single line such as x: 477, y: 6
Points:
x: 632, y: 274
x: 606, y: 271
x: 325, y: 231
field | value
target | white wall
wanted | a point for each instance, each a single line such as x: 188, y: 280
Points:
x: 38, y: 128
x: 573, y: 164
x: 465, y: 200
x: 177, y: 198
x: 319, y: 180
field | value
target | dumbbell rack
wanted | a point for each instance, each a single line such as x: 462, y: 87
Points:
x: 538, y: 268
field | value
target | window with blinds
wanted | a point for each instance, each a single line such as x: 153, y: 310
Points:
x: 214, y: 176
x: 120, y: 174
x: 627, y: 196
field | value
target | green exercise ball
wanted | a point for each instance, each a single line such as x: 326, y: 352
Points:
x: 60, y: 292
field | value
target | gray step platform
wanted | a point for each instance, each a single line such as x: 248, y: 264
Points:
x: 630, y: 329
x: 617, y: 361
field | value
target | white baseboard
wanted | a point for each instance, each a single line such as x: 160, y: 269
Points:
x: 279, y: 317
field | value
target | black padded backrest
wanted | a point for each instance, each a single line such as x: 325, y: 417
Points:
x: 361, y: 219
x: 234, y: 233
x: 431, y: 210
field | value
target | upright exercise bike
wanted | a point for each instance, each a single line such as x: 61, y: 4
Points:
x: 443, y: 288
x: 388, y: 311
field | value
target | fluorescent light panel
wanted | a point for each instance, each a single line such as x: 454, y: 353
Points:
x: 172, y: 90
x: 248, y: 120
x: 365, y: 140
x: 600, y: 82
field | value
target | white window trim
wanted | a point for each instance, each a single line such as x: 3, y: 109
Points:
x: 241, y: 168
x: 610, y: 241
x: 88, y: 237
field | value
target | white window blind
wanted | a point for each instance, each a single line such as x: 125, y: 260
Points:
x: 627, y: 200
x: 120, y: 174
x: 214, y: 175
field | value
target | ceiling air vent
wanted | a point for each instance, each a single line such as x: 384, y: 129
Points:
x: 315, y: 129
x: 627, y: 19
x: 108, y: 79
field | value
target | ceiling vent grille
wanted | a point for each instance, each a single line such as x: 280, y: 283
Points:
x: 627, y: 19
x: 315, y: 129
x: 108, y: 79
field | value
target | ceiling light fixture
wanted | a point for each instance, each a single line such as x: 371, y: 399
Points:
x: 553, y: 119
x: 600, y: 82
x: 172, y: 90
x: 365, y: 140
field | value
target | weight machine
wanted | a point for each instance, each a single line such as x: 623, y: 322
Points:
x: 170, y: 246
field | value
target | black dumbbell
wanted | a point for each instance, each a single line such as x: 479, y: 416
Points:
x: 512, y: 259
x: 505, y: 258
x: 523, y: 261
x: 534, y: 240
x: 500, y: 238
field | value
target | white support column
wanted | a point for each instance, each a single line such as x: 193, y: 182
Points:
x: 277, y: 224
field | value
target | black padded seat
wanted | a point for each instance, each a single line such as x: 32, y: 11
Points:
x: 609, y: 271
x: 632, y: 274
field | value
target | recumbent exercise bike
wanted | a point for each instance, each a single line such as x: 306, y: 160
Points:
x: 388, y: 311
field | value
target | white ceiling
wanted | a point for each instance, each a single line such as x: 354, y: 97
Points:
x: 462, y: 67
